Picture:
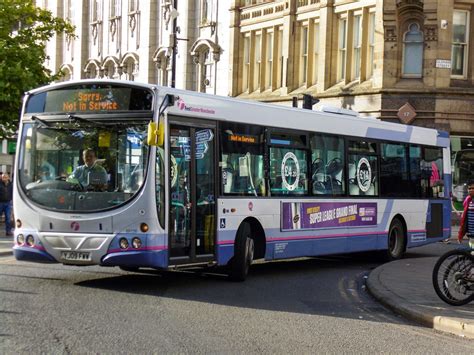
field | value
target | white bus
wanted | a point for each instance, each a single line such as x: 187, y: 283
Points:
x: 200, y: 180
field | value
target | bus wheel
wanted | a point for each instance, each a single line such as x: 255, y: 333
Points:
x: 243, y: 254
x: 396, y: 240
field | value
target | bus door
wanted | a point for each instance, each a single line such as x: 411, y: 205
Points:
x: 192, y: 227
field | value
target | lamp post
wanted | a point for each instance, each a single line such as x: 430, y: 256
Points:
x: 174, y: 45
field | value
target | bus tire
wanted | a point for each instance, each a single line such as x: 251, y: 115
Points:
x: 244, y: 249
x: 396, y: 241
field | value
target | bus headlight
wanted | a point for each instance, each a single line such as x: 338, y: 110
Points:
x: 30, y: 240
x: 20, y: 239
x: 123, y: 243
x: 136, y: 243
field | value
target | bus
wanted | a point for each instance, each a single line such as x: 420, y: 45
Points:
x: 197, y: 181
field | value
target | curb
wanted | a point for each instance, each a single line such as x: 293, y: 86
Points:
x: 386, y: 297
x: 6, y: 252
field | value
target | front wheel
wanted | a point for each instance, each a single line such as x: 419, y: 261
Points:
x: 453, y: 277
x: 243, y: 254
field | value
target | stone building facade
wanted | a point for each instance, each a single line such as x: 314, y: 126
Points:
x: 399, y: 60
x: 139, y: 40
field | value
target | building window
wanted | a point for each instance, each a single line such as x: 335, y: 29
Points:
x: 342, y: 43
x: 413, y: 52
x: 95, y: 11
x: 315, y: 53
x: 269, y: 61
x: 68, y: 10
x: 303, y: 55
x: 109, y: 71
x: 357, y: 41
x: 246, y: 67
x: 258, y: 61
x: 114, y: 8
x: 132, y: 5
x: 460, y: 44
x: 208, y: 68
x: 280, y: 59
x: 206, y: 11
x: 371, y: 61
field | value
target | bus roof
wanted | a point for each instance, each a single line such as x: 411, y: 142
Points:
x: 206, y: 106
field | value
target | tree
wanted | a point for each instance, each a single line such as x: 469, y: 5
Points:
x: 24, y: 32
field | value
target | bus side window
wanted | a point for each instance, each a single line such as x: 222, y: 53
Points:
x: 241, y: 159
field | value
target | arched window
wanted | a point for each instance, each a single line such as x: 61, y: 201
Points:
x: 413, y: 52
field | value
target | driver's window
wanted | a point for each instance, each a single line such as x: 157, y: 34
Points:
x: 327, y: 167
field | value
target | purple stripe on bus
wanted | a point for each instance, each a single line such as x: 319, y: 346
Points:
x: 270, y: 239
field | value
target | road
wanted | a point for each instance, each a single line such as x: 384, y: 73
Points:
x: 304, y: 306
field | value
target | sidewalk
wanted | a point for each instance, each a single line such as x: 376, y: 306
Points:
x: 6, y: 243
x: 405, y: 286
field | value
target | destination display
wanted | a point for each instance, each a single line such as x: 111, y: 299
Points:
x: 314, y: 215
x: 243, y: 138
x: 91, y: 99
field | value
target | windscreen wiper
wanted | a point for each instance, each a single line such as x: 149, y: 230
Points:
x: 85, y: 120
x: 43, y: 122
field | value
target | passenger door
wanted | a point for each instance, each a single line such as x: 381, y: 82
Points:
x: 192, y: 227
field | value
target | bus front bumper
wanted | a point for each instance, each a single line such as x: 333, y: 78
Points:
x: 141, y: 258
x: 32, y: 254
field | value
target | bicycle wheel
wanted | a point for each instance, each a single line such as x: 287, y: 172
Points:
x: 453, y: 277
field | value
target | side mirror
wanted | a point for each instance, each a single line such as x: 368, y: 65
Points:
x: 156, y: 134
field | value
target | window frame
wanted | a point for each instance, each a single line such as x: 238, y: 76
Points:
x: 342, y: 48
x: 371, y: 45
x: 369, y: 154
x: 304, y: 147
x: 344, y: 167
x: 404, y: 52
x: 357, y: 31
x: 465, y: 46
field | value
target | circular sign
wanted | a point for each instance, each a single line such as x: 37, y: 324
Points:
x: 173, y: 171
x: 290, y: 171
x: 364, y: 175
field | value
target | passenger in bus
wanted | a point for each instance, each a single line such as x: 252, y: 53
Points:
x: 467, y: 219
x: 90, y: 175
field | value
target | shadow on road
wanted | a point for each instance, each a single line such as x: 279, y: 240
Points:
x: 308, y: 286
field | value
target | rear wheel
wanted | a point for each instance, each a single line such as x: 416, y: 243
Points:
x: 396, y: 241
x: 453, y: 277
x: 243, y: 253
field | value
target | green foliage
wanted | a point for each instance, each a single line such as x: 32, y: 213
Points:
x: 24, y: 32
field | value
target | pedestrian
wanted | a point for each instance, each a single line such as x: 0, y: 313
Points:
x: 6, y: 195
x: 467, y: 218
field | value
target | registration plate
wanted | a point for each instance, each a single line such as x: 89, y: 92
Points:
x: 76, y: 256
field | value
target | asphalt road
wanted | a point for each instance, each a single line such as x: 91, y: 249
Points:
x: 305, y: 306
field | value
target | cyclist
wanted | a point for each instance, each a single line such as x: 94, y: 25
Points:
x: 467, y: 218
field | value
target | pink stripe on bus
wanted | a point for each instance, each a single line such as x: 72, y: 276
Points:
x: 158, y: 247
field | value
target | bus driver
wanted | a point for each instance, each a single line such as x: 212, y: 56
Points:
x: 90, y: 174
